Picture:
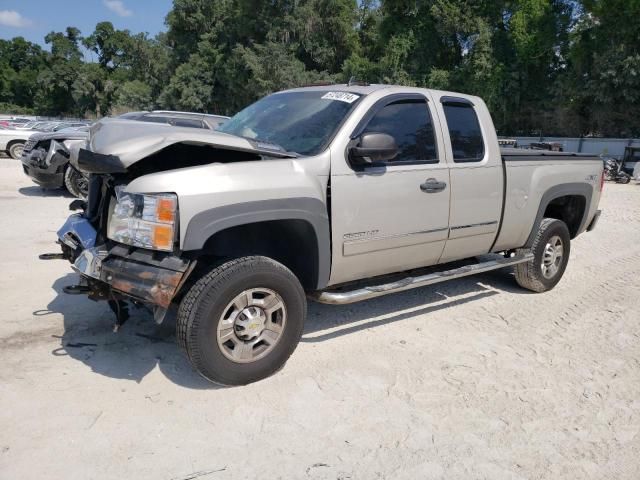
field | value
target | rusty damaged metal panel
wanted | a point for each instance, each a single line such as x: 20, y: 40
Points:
x: 145, y: 282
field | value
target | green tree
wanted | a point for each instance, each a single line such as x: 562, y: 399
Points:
x: 551, y: 66
x: 113, y: 47
x: 20, y: 63
x: 600, y: 88
x: 194, y: 83
x: 132, y: 95
x: 56, y: 79
x: 93, y: 89
x: 190, y: 20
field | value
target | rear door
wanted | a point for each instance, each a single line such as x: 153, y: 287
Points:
x: 477, y: 177
x: 391, y: 216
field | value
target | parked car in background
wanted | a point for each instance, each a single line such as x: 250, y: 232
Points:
x: 13, y: 121
x: 178, y: 119
x: 12, y: 141
x: 551, y: 146
x: 41, y: 125
x: 49, y: 127
x: 17, y: 122
x: 28, y: 125
x: 47, y: 154
x: 66, y: 125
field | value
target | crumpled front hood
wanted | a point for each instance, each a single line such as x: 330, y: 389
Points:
x: 131, y: 141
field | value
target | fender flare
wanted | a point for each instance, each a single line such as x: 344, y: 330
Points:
x: 579, y: 189
x: 205, y: 224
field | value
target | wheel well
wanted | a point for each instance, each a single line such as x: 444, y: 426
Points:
x: 570, y: 209
x: 13, y: 142
x: 290, y: 242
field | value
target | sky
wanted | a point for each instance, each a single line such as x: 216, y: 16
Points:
x: 33, y: 19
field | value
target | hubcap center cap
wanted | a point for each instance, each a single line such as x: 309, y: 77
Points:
x: 250, y: 323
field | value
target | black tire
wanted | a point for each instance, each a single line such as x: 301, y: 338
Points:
x: 530, y: 275
x: 15, y: 150
x: 624, y: 179
x: 204, y: 305
x: 76, y: 183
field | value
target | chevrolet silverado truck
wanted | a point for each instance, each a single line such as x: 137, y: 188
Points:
x: 336, y: 193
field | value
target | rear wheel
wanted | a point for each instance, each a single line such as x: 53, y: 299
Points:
x: 624, y: 179
x: 240, y: 322
x: 550, y: 250
x: 76, y: 183
x: 15, y: 150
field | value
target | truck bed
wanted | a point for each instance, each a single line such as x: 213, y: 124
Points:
x: 532, y: 174
x: 526, y: 155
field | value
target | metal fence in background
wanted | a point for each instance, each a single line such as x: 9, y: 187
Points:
x: 607, y: 146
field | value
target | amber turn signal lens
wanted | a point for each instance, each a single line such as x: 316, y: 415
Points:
x: 166, y: 210
x: 162, y: 236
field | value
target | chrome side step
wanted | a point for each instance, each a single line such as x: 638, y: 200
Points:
x: 365, y: 293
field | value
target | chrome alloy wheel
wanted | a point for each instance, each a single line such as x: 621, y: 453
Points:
x: 251, y: 325
x: 552, y: 257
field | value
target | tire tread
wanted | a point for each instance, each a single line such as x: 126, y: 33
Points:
x: 187, y: 321
x: 528, y: 274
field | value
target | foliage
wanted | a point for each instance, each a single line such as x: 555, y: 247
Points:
x: 562, y: 67
x: 133, y: 95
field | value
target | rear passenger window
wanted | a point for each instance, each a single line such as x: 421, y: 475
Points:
x: 409, y: 122
x: 155, y: 119
x: 464, y: 130
x: 188, y: 122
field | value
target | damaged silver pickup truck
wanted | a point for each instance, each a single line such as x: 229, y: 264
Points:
x: 335, y: 193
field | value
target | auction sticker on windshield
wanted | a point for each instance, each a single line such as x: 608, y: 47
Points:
x: 341, y: 96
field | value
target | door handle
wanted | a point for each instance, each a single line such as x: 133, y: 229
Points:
x: 431, y: 185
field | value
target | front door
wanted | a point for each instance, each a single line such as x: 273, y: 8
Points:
x: 393, y: 216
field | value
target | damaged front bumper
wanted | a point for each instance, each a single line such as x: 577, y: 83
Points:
x: 46, y: 168
x: 145, y: 276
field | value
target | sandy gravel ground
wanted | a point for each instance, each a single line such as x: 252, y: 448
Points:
x: 472, y: 379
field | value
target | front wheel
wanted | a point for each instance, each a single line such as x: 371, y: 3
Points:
x: 240, y: 322
x: 76, y: 183
x: 550, y: 250
x: 624, y: 179
x: 15, y: 150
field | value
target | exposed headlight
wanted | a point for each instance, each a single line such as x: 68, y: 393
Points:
x: 144, y: 220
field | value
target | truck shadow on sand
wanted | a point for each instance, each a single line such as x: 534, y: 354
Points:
x: 326, y: 322
x: 36, y: 191
x: 141, y: 345
x: 131, y: 354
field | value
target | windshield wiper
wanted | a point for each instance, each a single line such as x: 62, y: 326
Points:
x: 270, y: 146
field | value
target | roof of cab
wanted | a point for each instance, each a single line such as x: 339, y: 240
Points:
x: 342, y: 87
x: 367, y: 89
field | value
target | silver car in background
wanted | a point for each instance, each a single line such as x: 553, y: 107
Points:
x: 47, y: 155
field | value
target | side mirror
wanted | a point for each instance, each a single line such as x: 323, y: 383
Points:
x: 373, y: 148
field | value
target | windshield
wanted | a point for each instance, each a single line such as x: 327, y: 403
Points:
x: 301, y: 122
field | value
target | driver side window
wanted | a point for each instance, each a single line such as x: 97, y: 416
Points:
x: 409, y: 123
